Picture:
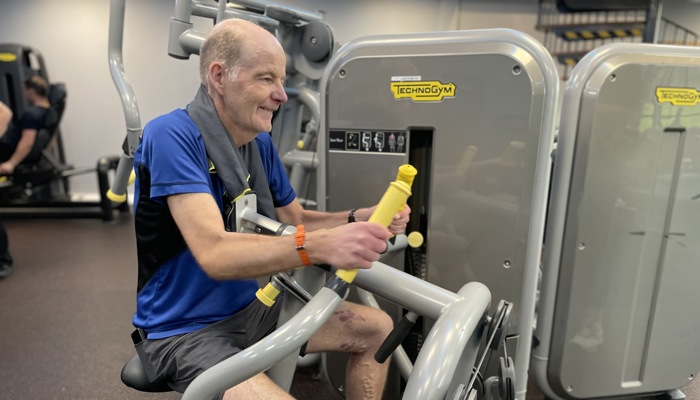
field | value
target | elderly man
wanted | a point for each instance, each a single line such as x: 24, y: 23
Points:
x: 196, y: 291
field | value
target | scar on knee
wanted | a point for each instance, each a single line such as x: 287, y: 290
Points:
x: 354, y: 346
x: 349, y: 316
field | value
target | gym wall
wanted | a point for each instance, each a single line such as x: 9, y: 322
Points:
x: 72, y: 36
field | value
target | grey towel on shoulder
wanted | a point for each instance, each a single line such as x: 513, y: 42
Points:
x: 239, y: 168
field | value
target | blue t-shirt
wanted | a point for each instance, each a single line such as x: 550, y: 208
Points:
x: 175, y: 296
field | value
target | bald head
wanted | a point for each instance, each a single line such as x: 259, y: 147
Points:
x: 231, y: 43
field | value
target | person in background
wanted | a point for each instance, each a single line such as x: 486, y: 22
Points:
x: 17, y: 141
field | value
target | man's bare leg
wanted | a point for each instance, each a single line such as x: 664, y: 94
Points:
x: 359, y: 330
x: 259, y: 387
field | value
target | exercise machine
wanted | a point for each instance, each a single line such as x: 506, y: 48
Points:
x: 618, y: 300
x: 450, y: 351
x: 39, y: 186
x: 475, y: 113
x: 444, y: 368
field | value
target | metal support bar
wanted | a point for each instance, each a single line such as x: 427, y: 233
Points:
x: 263, y: 355
x: 653, y: 22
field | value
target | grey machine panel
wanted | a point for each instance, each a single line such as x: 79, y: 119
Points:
x: 473, y: 109
x: 625, y: 316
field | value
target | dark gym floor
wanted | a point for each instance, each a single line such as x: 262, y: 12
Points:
x: 65, y: 315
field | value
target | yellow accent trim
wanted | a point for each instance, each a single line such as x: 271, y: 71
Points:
x: 242, y: 194
x: 620, y: 33
x: 587, y: 34
x: 212, y: 168
x: 117, y: 198
x: 415, y: 239
x: 571, y: 35
x: 604, y: 34
x: 569, y: 61
x: 267, y: 295
x: 8, y: 57
x: 636, y: 32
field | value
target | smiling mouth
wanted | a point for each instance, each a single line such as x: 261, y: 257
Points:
x: 270, y: 110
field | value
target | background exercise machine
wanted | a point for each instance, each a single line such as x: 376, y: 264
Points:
x: 618, y: 301
x: 39, y: 187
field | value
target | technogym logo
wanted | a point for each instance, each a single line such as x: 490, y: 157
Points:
x: 422, y: 91
x: 678, y: 96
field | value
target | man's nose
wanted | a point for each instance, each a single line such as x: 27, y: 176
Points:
x: 279, y: 94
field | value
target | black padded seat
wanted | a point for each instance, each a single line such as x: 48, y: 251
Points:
x: 135, y: 377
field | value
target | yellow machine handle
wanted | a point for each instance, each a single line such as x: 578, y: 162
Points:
x: 268, y: 294
x: 392, y: 202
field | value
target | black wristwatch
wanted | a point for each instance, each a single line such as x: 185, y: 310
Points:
x: 351, y: 215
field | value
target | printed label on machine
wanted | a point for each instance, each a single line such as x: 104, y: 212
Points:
x: 368, y: 141
x: 422, y: 91
x: 678, y: 96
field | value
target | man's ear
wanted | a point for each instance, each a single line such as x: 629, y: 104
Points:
x: 216, y: 76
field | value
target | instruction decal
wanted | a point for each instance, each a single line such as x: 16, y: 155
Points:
x: 367, y: 141
x: 422, y: 91
x: 678, y: 96
x: 8, y: 57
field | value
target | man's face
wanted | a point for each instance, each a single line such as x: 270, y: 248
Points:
x: 30, y: 94
x: 255, y: 92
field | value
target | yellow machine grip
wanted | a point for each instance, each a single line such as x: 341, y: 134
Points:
x: 392, y: 202
x: 268, y: 294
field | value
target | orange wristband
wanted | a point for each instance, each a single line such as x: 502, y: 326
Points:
x: 300, y: 236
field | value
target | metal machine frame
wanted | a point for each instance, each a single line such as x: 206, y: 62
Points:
x: 444, y: 366
x: 645, y: 250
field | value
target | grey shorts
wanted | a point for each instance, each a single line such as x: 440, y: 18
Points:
x: 181, y: 358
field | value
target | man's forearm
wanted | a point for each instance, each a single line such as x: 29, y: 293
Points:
x: 21, y: 152
x: 5, y: 118
x: 317, y: 220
